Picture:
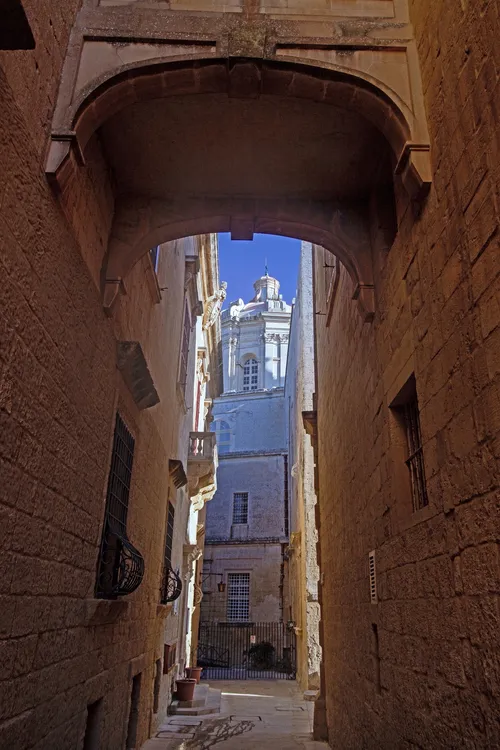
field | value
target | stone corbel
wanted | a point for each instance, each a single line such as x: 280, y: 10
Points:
x: 364, y: 294
x: 351, y: 243
x: 414, y: 167
x: 113, y: 288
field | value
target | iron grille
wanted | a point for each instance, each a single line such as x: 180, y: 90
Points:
x: 121, y: 565
x: 171, y: 585
x: 240, y: 507
x: 238, y: 597
x: 415, y: 460
x: 247, y: 651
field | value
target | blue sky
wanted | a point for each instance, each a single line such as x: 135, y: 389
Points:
x: 241, y: 263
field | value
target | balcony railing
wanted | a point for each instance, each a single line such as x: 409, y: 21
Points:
x: 201, y: 445
x: 121, y: 567
x: 202, y: 461
x: 171, y: 587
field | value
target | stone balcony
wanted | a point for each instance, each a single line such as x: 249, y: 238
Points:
x: 202, y: 462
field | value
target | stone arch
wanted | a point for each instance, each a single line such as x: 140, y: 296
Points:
x: 360, y: 92
x: 141, y: 222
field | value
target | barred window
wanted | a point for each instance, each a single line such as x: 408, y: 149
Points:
x: 409, y: 438
x: 169, y: 536
x: 186, y: 335
x: 120, y: 565
x: 415, y: 460
x: 250, y: 375
x: 240, y: 507
x: 171, y: 586
x: 238, y: 597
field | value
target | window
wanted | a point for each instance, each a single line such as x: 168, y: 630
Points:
x: 405, y: 408
x: 171, y: 587
x: 415, y: 460
x: 250, y: 375
x: 155, y: 257
x: 92, y: 738
x: 223, y: 432
x: 121, y: 566
x: 240, y: 507
x: 186, y: 335
x: 238, y: 597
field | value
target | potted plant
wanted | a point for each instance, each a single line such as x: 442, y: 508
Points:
x: 194, y: 673
x: 185, y: 689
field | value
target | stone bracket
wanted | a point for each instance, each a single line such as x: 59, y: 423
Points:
x: 364, y: 294
x: 112, y: 290
x: 242, y: 228
x: 414, y: 167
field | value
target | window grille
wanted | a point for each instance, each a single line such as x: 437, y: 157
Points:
x: 240, y: 507
x: 186, y: 335
x: 373, y: 577
x: 250, y: 375
x: 120, y: 566
x: 238, y: 597
x: 171, y: 586
x: 415, y: 460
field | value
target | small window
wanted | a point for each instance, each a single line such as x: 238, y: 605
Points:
x: 155, y: 257
x: 240, y: 507
x: 92, y: 738
x: 405, y: 407
x: 250, y: 375
x: 184, y: 354
x: 121, y: 566
x: 238, y: 597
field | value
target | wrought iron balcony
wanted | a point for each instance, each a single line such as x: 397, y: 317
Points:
x: 202, y: 461
x: 121, y: 568
x: 171, y: 587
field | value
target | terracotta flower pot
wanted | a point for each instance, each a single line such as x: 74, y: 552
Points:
x: 185, y: 689
x: 194, y: 672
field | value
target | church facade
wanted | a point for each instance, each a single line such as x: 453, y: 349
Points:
x: 247, y: 524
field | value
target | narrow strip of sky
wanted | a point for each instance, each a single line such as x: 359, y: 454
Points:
x: 242, y: 262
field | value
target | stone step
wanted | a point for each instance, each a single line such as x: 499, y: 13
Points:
x: 206, y: 701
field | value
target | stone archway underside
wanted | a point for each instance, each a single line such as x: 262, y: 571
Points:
x: 241, y: 126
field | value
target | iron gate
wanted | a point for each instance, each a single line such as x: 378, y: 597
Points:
x: 247, y: 651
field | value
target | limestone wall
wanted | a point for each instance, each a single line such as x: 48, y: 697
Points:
x: 262, y: 561
x: 59, y: 392
x: 303, y: 572
x: 431, y: 680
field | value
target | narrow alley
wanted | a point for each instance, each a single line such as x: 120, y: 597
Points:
x: 253, y: 714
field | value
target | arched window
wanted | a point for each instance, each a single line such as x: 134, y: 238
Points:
x: 223, y: 433
x: 250, y: 375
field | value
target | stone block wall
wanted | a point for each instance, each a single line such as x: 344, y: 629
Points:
x: 61, y: 650
x: 262, y: 561
x: 420, y: 667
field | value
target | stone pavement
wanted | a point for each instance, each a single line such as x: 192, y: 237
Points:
x: 253, y: 714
